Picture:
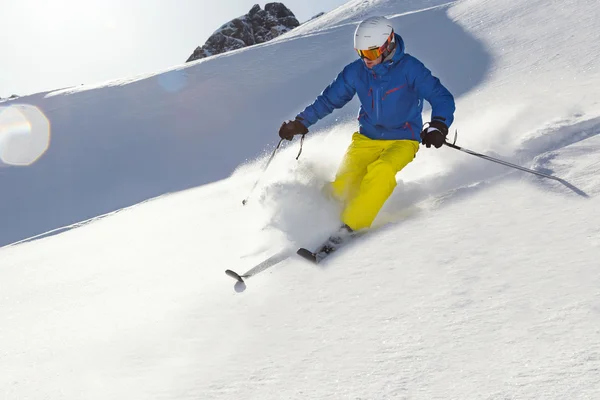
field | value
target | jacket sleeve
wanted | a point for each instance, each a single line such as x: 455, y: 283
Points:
x: 431, y: 89
x: 336, y: 95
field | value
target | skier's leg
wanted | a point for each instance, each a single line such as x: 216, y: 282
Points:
x: 361, y: 152
x: 378, y: 183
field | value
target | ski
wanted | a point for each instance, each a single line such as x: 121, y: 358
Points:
x: 320, y: 254
x: 269, y: 262
x: 234, y: 275
x: 307, y: 255
x: 333, y: 243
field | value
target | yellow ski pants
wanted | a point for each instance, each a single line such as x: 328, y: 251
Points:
x: 367, y: 176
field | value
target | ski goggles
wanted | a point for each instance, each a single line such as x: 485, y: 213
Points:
x: 374, y: 54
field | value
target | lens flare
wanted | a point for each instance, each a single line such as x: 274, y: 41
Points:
x: 24, y: 134
x: 172, y: 81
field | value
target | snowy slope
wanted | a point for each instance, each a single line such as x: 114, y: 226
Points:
x: 160, y: 133
x: 484, y: 284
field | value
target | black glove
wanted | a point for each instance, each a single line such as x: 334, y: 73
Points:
x: 435, y: 134
x: 291, y: 128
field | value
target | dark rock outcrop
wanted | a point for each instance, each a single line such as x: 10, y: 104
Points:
x: 317, y: 16
x: 258, y: 26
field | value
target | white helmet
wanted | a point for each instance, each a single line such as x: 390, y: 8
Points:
x: 373, y: 37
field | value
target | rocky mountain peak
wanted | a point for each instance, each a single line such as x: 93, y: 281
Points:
x: 257, y: 26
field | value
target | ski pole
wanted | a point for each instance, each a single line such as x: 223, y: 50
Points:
x: 262, y: 173
x: 506, y: 163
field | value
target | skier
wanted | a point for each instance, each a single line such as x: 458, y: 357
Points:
x: 391, y: 86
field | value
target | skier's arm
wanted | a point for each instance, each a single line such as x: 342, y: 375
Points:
x: 336, y: 95
x: 431, y: 89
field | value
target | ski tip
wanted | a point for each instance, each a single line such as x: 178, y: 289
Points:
x: 307, y: 255
x: 234, y: 275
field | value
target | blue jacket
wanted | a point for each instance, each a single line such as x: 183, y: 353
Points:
x: 391, y: 96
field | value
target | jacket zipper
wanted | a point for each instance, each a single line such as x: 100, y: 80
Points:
x: 392, y: 91
x: 376, y: 95
x: 377, y: 104
x: 408, y: 125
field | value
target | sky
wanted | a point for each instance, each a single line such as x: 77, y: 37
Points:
x: 49, y: 45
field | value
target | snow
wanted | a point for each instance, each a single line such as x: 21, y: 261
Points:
x: 477, y: 281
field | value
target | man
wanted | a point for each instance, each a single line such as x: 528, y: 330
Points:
x: 391, y: 86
